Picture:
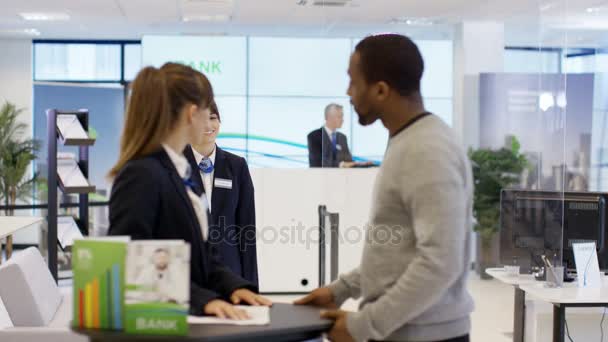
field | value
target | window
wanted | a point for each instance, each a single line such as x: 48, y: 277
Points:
x: 77, y: 62
x: 438, y: 78
x: 532, y: 60
x: 132, y: 61
x: 592, y: 63
x: 86, y: 61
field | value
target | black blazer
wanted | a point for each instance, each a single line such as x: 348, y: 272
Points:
x: 232, y: 229
x: 320, y: 152
x: 149, y: 201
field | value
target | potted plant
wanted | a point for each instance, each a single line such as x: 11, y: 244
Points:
x: 493, y: 170
x: 16, y: 156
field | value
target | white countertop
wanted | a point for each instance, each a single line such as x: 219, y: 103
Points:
x: 501, y: 275
x: 568, y: 294
x: 11, y: 224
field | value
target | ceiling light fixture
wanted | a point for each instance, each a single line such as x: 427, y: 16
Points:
x: 331, y: 3
x: 27, y: 32
x: 547, y: 6
x: 327, y: 3
x: 412, y: 21
x: 212, y: 2
x: 32, y: 32
x: 211, y: 18
x: 596, y: 9
x: 35, y: 16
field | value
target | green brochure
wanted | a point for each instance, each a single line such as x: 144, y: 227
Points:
x: 99, y: 266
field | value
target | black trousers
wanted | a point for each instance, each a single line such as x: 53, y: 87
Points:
x: 464, y: 338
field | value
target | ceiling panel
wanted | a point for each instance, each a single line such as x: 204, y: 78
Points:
x: 150, y: 11
x: 526, y: 20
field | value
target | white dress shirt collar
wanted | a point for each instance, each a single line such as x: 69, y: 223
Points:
x: 328, y: 131
x: 199, y: 157
x: 179, y: 161
x: 207, y: 178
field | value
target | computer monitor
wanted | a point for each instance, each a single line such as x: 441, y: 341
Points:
x: 536, y: 223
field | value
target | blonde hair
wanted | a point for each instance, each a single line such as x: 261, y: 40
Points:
x: 157, y: 99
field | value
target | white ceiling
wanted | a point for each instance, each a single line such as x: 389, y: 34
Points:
x: 528, y: 22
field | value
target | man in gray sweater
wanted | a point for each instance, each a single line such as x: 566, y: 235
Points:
x: 412, y: 279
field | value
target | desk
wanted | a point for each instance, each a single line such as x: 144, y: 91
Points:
x: 287, y: 323
x: 519, y: 314
x: 9, y: 225
x: 568, y: 296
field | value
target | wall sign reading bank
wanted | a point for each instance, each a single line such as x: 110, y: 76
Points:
x: 206, y: 67
x: 222, y: 59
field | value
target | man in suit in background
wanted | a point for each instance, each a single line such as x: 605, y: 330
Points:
x: 326, y: 146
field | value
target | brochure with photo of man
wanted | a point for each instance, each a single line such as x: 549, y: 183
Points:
x: 157, y: 291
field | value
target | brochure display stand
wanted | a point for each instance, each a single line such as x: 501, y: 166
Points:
x: 69, y: 174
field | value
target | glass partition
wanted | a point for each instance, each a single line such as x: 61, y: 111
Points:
x: 547, y: 108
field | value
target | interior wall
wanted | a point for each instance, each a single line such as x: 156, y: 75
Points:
x: 16, y: 87
x: 16, y: 71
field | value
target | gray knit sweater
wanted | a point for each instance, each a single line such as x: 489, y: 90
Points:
x: 413, y: 273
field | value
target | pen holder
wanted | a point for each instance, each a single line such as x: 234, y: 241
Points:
x: 555, y: 276
x: 512, y: 271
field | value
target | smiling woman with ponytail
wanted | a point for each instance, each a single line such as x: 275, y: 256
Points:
x: 151, y: 196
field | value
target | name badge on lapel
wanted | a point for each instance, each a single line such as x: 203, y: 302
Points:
x: 223, y: 183
x: 338, y: 147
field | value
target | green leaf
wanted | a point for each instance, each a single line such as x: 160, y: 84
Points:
x: 515, y: 146
x: 493, y: 171
x: 16, y: 155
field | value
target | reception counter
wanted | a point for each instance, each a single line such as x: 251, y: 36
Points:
x: 287, y: 203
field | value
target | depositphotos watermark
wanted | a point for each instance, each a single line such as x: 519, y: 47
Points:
x: 301, y: 235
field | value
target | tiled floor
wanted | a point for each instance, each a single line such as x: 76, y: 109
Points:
x: 493, y: 316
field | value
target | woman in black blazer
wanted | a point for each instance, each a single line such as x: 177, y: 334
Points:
x: 224, y: 178
x: 151, y: 196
